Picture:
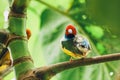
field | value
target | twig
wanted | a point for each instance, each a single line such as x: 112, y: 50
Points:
x: 52, y: 70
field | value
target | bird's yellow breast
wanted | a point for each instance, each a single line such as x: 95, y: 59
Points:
x: 74, y: 55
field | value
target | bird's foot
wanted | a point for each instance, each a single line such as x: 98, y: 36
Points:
x: 71, y: 59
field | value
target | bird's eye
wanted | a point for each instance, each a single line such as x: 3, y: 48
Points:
x: 70, y: 31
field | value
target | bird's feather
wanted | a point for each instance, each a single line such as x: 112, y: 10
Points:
x: 76, y: 47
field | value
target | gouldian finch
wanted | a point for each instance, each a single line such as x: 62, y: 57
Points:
x: 5, y: 59
x: 74, y: 44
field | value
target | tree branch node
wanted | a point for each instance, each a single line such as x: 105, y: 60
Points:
x: 18, y: 15
x: 22, y: 59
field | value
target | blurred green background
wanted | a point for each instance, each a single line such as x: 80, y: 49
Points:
x: 98, y: 20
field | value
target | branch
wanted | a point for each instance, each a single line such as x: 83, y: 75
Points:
x: 83, y: 62
x: 47, y: 72
x: 19, y: 8
x: 18, y: 45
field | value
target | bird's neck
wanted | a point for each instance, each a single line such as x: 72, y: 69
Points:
x: 69, y: 36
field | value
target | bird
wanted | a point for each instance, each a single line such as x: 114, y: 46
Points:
x: 5, y: 58
x: 73, y: 44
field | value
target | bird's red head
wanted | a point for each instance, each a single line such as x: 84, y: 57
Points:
x: 70, y: 31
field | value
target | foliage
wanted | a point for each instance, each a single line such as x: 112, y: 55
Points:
x: 4, y: 7
x: 105, y: 12
x: 47, y: 23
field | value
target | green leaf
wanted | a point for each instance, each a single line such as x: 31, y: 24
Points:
x: 100, y: 47
x: 48, y: 26
x: 4, y: 7
x: 33, y: 23
x: 10, y: 76
x: 95, y: 31
x: 51, y: 31
x: 106, y: 13
x: 60, y: 3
